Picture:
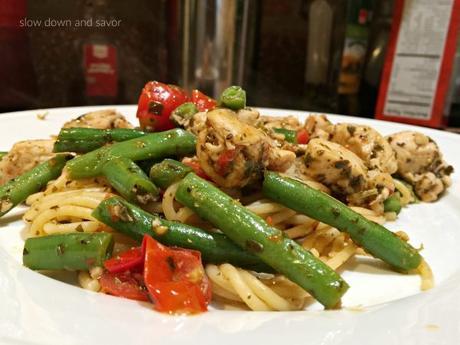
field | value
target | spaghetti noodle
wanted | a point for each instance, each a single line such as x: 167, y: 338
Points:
x: 66, y: 206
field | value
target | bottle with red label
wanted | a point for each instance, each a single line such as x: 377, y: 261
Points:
x: 100, y: 55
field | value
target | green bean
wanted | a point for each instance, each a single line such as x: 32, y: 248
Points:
x: 73, y: 251
x: 289, y: 135
x: 152, y: 146
x: 82, y: 140
x: 392, y: 204
x: 2, y: 154
x: 130, y: 181
x: 184, y: 111
x: 168, y: 172
x: 135, y: 223
x: 374, y: 238
x: 252, y: 233
x: 17, y: 190
x: 233, y: 97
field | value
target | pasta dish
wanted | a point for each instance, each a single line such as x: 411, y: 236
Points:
x: 211, y: 202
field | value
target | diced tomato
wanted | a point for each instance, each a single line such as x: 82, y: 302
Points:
x: 156, y: 102
x: 125, y: 284
x: 302, y: 136
x: 196, y: 168
x: 175, y: 278
x: 224, y: 160
x: 132, y: 259
x: 269, y: 220
x: 203, y: 102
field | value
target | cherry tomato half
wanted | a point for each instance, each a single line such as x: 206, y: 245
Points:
x: 131, y: 259
x: 156, y: 102
x: 196, y: 168
x: 175, y: 278
x: 125, y: 284
x: 302, y: 136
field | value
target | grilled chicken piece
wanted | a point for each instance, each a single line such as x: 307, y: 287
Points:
x: 367, y: 144
x: 101, y: 119
x: 346, y: 174
x: 234, y: 153
x: 318, y: 126
x: 270, y: 122
x: 334, y: 166
x: 248, y: 115
x: 364, y: 141
x: 23, y: 156
x: 198, y: 121
x: 421, y: 164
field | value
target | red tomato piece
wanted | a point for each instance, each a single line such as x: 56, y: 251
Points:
x: 196, y: 168
x: 125, y: 284
x: 203, y: 102
x: 224, y: 160
x: 175, y: 278
x: 156, y: 102
x: 131, y: 259
x: 269, y: 220
x: 302, y: 136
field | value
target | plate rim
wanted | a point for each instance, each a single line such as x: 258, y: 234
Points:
x: 450, y: 287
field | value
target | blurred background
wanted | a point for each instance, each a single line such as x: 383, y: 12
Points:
x: 318, y: 55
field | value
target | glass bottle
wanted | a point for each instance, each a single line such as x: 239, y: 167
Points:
x: 359, y: 15
x: 325, y: 34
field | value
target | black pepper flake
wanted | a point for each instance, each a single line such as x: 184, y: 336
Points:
x: 254, y: 246
x: 356, y: 181
x: 448, y: 170
x: 378, y: 147
x: 351, y: 130
x: 308, y: 158
x: 373, y: 154
x: 25, y: 251
x: 155, y: 108
x: 321, y: 177
x: 335, y: 212
x: 84, y: 242
x: 341, y: 164
x: 361, y: 231
x: 346, y: 171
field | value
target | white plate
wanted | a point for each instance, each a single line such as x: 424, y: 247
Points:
x: 381, y: 307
